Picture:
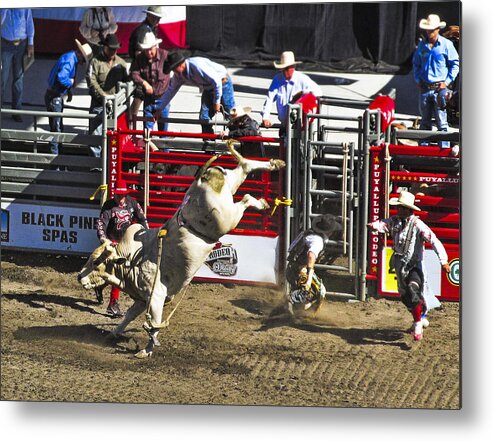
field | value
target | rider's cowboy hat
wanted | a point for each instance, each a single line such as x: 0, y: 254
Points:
x: 149, y: 41
x: 405, y: 199
x: 155, y: 10
x: 431, y: 22
x: 173, y: 60
x: 326, y: 224
x: 287, y: 60
x: 84, y: 49
x: 121, y: 187
x: 238, y: 111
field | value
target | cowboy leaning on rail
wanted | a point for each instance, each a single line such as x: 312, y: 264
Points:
x: 409, y: 234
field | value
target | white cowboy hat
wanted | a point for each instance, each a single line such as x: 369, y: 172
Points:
x: 155, y: 10
x: 405, y: 199
x: 84, y: 49
x: 432, y: 22
x: 238, y: 111
x: 149, y: 41
x: 287, y: 59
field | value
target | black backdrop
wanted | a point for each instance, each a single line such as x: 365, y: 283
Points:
x: 351, y: 37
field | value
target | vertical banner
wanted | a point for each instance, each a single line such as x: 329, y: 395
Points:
x: 376, y: 210
x: 113, y: 162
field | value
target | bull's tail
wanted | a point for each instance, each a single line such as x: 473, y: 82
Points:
x: 230, y: 145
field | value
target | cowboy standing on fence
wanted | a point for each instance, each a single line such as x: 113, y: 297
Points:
x: 435, y: 67
x: 116, y: 216
x: 409, y: 234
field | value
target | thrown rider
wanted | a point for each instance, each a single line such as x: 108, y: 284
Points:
x: 306, y: 287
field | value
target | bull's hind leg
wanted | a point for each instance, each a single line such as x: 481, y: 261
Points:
x: 245, y: 166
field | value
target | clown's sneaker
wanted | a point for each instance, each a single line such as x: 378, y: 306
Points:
x: 418, y: 331
x: 425, y: 321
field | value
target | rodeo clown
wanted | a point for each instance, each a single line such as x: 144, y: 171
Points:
x: 409, y: 234
x: 116, y: 216
x: 306, y: 287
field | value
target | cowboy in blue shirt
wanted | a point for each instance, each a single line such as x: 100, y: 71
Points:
x: 60, y: 82
x: 435, y: 67
x: 211, y: 78
x: 17, y: 40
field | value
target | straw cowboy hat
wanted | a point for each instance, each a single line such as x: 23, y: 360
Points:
x: 405, y: 199
x: 84, y: 49
x: 174, y: 59
x: 432, y: 22
x: 238, y: 111
x: 121, y: 187
x: 326, y: 224
x: 287, y: 59
x: 149, y: 41
x: 155, y: 10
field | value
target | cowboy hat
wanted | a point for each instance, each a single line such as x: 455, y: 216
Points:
x: 405, y: 199
x: 149, y: 41
x: 111, y: 41
x: 287, y: 59
x: 121, y: 187
x: 155, y: 10
x: 238, y: 111
x: 432, y: 22
x: 174, y: 59
x: 326, y: 224
x: 84, y: 49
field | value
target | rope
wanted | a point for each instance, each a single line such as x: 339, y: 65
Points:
x: 281, y: 201
x: 345, y: 151
x: 147, y: 139
x: 102, y: 188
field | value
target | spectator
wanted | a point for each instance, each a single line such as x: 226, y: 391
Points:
x: 241, y: 124
x: 147, y: 72
x: 96, y: 24
x: 409, y: 234
x: 105, y: 71
x: 211, y: 78
x: 286, y: 86
x: 60, y: 83
x: 17, y: 40
x: 305, y: 286
x: 435, y: 67
x: 117, y: 214
x: 150, y: 24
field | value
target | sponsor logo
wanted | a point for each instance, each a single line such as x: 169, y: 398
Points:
x: 223, y: 260
x: 454, y: 275
x: 5, y: 225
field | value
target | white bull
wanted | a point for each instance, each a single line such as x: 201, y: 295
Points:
x: 207, y: 213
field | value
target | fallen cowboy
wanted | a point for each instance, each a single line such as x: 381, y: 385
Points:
x: 156, y: 264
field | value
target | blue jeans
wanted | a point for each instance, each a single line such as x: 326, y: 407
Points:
x: 207, y: 105
x: 54, y: 103
x: 150, y: 107
x: 12, y: 57
x: 429, y: 110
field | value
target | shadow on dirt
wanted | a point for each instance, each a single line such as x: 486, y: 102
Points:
x: 46, y: 301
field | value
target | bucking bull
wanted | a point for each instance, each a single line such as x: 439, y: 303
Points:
x: 154, y: 265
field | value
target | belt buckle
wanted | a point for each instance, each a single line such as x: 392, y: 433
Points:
x: 16, y: 42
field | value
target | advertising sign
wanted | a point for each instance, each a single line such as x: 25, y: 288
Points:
x: 44, y: 227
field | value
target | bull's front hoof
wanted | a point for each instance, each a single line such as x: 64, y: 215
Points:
x: 143, y: 354
x: 277, y: 164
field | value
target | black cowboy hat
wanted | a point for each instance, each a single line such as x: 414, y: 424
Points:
x: 173, y: 60
x: 326, y: 224
x: 111, y: 41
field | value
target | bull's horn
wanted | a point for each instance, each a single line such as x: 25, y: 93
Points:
x: 202, y: 169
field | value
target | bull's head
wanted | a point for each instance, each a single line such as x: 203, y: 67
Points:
x: 99, y: 269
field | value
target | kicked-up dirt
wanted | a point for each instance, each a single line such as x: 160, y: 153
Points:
x: 225, y: 345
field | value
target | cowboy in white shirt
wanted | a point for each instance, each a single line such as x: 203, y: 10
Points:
x: 409, y: 234
x: 286, y: 84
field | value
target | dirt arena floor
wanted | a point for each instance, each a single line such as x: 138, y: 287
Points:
x: 225, y: 345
